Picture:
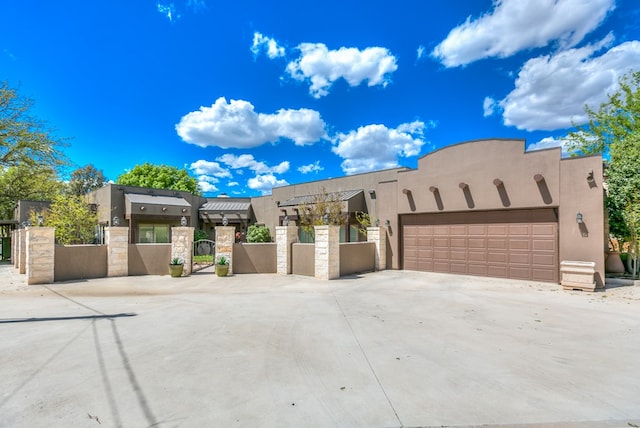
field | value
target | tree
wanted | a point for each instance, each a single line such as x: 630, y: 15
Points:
x: 323, y: 208
x: 160, y: 177
x: 72, y: 218
x: 25, y: 140
x: 85, y: 179
x: 364, y: 220
x: 36, y: 183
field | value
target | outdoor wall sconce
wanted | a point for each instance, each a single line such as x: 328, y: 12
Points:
x: 225, y: 220
x: 463, y: 185
x: 590, y: 177
x: 285, y: 221
x: 497, y: 182
x: 579, y: 218
x: 142, y: 208
x: 539, y: 178
x: 377, y: 222
x: 115, y: 221
x: 164, y: 209
x: 184, y: 210
x: 183, y: 221
x: 40, y: 220
x: 387, y: 223
x: 325, y: 218
x: 372, y: 193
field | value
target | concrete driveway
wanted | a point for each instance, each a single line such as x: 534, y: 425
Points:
x: 386, y: 349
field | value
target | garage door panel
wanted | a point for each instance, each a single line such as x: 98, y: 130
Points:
x: 518, y: 244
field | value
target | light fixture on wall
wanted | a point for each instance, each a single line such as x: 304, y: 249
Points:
x: 225, y: 220
x: 285, y: 221
x: 377, y: 222
x: 183, y: 221
x: 372, y: 194
x: 590, y: 177
x: 325, y: 218
x: 115, y: 221
x: 579, y: 219
x: 387, y: 223
x: 40, y: 220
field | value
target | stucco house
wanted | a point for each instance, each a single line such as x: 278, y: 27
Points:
x: 484, y: 207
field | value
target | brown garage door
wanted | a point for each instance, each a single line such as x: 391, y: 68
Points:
x: 519, y: 244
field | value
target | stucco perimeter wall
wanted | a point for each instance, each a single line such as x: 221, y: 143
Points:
x: 356, y: 257
x: 149, y: 259
x: 80, y: 262
x: 388, y: 210
x: 478, y: 164
x: 303, y: 259
x: 582, y: 242
x: 254, y: 258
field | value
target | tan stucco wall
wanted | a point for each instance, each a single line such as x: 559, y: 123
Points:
x: 254, y: 258
x: 303, y: 259
x: 149, y: 259
x: 478, y: 164
x: 356, y: 257
x: 582, y: 242
x: 74, y: 262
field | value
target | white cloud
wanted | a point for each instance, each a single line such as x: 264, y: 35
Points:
x: 196, y: 5
x: 421, y: 52
x: 233, y: 184
x: 266, y: 44
x: 312, y: 167
x: 248, y: 161
x: 515, y: 25
x: 548, y: 143
x: 489, y: 106
x: 374, y: 147
x: 551, y: 91
x: 236, y: 124
x: 208, y: 183
x: 264, y: 183
x: 168, y: 10
x: 322, y: 67
x: 203, y: 167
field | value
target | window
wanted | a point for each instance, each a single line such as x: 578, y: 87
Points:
x: 153, y: 233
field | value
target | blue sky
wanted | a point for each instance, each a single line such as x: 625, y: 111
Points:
x: 251, y: 95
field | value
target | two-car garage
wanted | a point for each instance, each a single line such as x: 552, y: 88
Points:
x: 518, y: 244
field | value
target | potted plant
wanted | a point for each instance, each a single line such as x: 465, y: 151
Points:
x: 176, y: 267
x: 222, y: 266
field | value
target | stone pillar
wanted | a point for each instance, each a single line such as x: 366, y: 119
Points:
x: 225, y: 238
x: 117, y: 241
x: 286, y: 236
x: 378, y: 236
x: 14, y: 247
x: 40, y: 255
x: 22, y: 251
x: 327, y: 252
x: 182, y: 247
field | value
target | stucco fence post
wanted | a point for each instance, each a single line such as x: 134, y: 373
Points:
x: 327, y: 252
x: 117, y: 242
x: 22, y: 251
x: 286, y: 236
x: 378, y: 236
x: 182, y: 246
x: 225, y: 238
x: 40, y: 255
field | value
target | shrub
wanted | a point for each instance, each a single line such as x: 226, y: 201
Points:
x: 258, y: 233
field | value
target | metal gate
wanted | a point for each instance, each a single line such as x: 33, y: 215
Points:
x: 204, y: 253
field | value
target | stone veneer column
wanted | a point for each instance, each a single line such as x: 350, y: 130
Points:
x: 117, y: 241
x: 182, y: 247
x: 225, y: 238
x: 327, y: 252
x: 15, y: 240
x: 40, y: 255
x: 285, y: 237
x: 378, y: 235
x: 22, y: 251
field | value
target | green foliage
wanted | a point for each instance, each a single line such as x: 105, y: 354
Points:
x: 175, y: 261
x: 258, y: 233
x: 199, y: 234
x: 323, y: 206
x: 85, y: 179
x: 222, y: 260
x: 26, y: 182
x: 364, y: 220
x: 160, y: 177
x: 623, y: 184
x: 72, y: 218
x: 24, y: 139
x: 614, y: 120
